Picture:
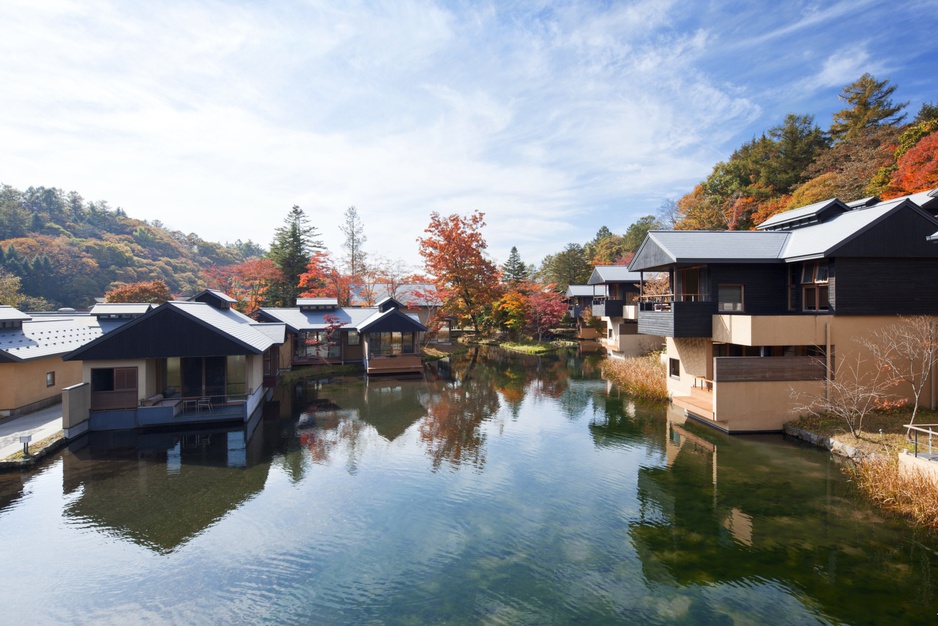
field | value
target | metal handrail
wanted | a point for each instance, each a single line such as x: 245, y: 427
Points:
x: 932, y: 432
x: 671, y: 297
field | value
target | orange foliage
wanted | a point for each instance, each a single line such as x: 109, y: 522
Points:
x: 916, y: 170
x: 323, y: 279
x: 154, y: 292
x: 246, y: 282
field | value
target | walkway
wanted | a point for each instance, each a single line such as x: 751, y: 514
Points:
x: 40, y: 424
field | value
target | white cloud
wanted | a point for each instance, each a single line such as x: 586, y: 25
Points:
x: 553, y: 119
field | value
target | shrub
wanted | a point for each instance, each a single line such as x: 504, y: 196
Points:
x: 911, y: 494
x: 641, y: 377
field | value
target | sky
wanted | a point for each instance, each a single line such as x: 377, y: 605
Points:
x: 552, y: 118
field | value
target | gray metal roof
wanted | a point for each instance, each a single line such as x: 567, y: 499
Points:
x: 297, y: 320
x: 819, y: 240
x: 613, y: 274
x: 581, y: 291
x: 806, y: 214
x: 707, y: 246
x: 224, y: 297
x: 378, y: 317
x: 317, y: 302
x: 221, y: 321
x: 9, y: 314
x: 48, y: 337
x: 121, y: 308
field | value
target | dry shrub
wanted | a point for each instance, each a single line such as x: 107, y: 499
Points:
x: 912, y: 494
x: 641, y: 377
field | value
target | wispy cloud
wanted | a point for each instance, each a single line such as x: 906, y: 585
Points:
x: 553, y: 118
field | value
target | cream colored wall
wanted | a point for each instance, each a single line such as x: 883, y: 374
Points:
x: 696, y: 359
x: 254, y: 376
x: 771, y: 330
x: 759, y: 405
x: 25, y: 383
x: 145, y: 373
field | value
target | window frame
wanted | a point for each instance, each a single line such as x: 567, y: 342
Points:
x: 742, y: 298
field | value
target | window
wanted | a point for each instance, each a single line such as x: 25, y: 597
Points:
x: 730, y: 298
x: 814, y: 286
x: 114, y: 379
x: 353, y: 338
x: 50, y: 379
x: 674, y: 368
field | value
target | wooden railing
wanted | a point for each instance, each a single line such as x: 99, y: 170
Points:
x: 739, y: 369
x: 109, y: 400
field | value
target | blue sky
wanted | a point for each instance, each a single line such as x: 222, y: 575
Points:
x: 554, y: 118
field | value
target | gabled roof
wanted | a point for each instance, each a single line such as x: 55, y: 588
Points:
x: 581, y: 291
x: 9, y: 314
x: 818, y: 240
x: 180, y: 329
x: 667, y: 247
x: 391, y: 320
x: 121, y: 309
x: 49, y: 336
x: 804, y: 216
x: 319, y: 303
x: 298, y: 320
x: 613, y: 274
x: 207, y: 294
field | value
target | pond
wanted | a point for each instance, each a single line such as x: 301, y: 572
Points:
x: 499, y: 489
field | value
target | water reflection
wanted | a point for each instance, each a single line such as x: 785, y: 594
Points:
x: 742, y: 511
x: 160, y: 490
x: 500, y: 488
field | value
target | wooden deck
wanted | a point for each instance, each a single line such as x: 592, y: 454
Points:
x: 396, y: 364
x: 699, y: 402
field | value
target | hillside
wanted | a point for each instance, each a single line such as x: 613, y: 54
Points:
x: 66, y: 251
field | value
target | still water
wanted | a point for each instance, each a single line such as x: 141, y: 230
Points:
x: 498, y: 490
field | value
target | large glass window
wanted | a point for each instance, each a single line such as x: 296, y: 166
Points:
x: 319, y: 344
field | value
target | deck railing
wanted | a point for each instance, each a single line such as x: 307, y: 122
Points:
x: 664, y: 301
x: 930, y: 431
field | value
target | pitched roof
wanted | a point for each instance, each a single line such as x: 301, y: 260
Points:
x: 666, y: 247
x: 805, y: 215
x: 229, y: 328
x: 108, y: 309
x: 824, y: 238
x: 298, y: 320
x: 613, y: 274
x: 50, y: 336
x: 581, y: 291
x: 391, y: 320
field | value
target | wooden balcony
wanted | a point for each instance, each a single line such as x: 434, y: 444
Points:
x: 676, y: 315
x: 741, y: 369
x: 395, y: 364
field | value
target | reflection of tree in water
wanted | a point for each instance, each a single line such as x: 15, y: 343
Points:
x: 452, y: 427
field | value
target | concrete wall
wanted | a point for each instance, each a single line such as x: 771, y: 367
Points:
x: 24, y: 384
x: 759, y: 406
x: 146, y: 374
x: 909, y: 464
x: 76, y: 408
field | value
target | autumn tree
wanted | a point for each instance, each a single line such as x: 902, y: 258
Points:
x: 355, y: 239
x: 871, y: 105
x: 454, y: 254
x: 917, y: 169
x: 154, y: 292
x: 248, y: 282
x: 546, y: 307
x: 293, y: 244
x: 324, y: 279
x: 9, y: 288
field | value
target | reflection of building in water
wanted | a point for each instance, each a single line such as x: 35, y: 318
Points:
x: 747, y: 510
x: 160, y: 490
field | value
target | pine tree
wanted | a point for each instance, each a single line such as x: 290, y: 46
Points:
x: 293, y: 244
x: 870, y: 106
x: 514, y: 270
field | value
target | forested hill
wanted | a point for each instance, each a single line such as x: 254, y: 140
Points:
x: 66, y: 251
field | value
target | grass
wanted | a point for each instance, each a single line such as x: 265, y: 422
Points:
x: 34, y: 448
x: 430, y: 353
x: 642, y: 377
x: 319, y: 371
x: 912, y: 494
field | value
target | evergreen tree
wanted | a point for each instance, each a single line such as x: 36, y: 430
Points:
x: 797, y: 141
x: 293, y: 244
x: 514, y: 270
x: 870, y: 106
x: 637, y: 232
x: 569, y: 267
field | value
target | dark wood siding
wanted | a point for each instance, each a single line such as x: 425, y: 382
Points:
x: 901, y: 234
x: 164, y: 334
x: 764, y: 287
x: 650, y: 255
x: 685, y: 319
x: 886, y: 286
